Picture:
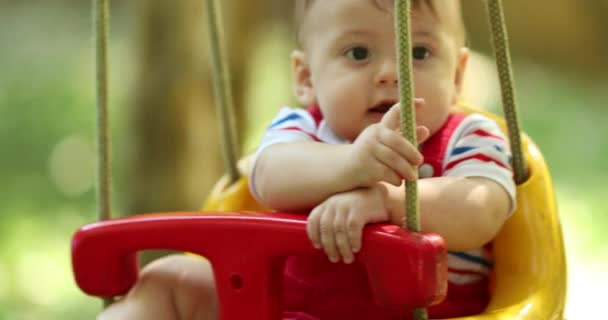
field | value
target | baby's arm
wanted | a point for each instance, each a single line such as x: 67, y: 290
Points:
x: 471, y: 201
x: 299, y: 175
x: 467, y: 212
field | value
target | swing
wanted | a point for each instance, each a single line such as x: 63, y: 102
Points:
x: 247, y: 246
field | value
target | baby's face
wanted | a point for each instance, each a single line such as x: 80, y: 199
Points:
x: 348, y: 63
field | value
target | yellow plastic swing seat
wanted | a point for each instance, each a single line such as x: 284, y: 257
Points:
x: 529, y: 278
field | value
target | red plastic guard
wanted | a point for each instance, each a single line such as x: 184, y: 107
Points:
x: 405, y: 269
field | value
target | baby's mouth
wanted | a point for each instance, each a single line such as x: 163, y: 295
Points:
x: 382, y: 107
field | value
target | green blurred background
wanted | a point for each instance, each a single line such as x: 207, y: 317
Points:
x: 160, y: 69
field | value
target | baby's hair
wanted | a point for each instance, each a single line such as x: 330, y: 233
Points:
x: 302, y: 7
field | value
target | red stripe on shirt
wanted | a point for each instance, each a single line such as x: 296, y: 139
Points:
x: 300, y: 130
x: 481, y: 157
x: 315, y: 113
x: 483, y: 133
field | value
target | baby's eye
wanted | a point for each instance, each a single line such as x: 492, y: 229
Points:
x: 358, y: 53
x: 420, y: 53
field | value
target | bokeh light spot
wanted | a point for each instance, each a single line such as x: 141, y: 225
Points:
x: 71, y: 166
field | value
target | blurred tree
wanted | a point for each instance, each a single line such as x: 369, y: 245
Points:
x: 174, y: 151
x: 569, y: 35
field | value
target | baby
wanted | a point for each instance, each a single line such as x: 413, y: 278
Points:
x: 344, y: 158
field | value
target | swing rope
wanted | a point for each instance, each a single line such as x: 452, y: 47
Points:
x: 223, y: 95
x: 408, y: 115
x: 104, y: 176
x: 103, y: 135
x: 505, y: 72
x: 406, y: 96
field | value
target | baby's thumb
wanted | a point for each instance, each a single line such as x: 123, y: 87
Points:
x: 422, y: 134
x: 391, y: 117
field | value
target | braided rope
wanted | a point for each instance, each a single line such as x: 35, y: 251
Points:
x: 223, y: 95
x: 406, y: 89
x: 104, y: 176
x: 103, y: 170
x: 505, y: 72
x: 408, y: 116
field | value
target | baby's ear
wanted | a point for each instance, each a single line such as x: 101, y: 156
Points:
x: 461, y: 67
x: 303, y: 88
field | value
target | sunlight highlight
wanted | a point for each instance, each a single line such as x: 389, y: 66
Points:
x: 586, y: 283
x: 42, y: 275
x: 4, y: 285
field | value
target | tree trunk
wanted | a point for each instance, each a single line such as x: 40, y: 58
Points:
x: 568, y: 35
x: 174, y: 155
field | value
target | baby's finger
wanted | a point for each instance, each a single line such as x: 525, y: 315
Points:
x: 395, y: 167
x: 327, y: 237
x: 355, y: 232
x: 397, y: 143
x: 387, y: 174
x: 313, y: 228
x: 342, y: 242
x: 419, y: 103
x: 422, y: 134
x: 391, y: 117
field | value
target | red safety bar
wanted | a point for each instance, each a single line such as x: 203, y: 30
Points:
x: 247, y: 252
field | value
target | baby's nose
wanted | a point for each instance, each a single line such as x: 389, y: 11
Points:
x: 387, y: 74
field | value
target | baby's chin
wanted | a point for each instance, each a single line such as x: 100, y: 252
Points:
x: 435, y: 124
x: 351, y: 134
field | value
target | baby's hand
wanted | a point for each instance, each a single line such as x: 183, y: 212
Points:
x: 380, y: 153
x: 336, y: 225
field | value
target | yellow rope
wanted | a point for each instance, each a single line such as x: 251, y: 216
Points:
x: 223, y: 95
x: 104, y: 176
x: 408, y: 116
x: 505, y: 72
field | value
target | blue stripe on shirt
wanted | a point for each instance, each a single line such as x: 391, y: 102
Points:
x: 461, y: 150
x: 472, y: 258
x: 290, y: 117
